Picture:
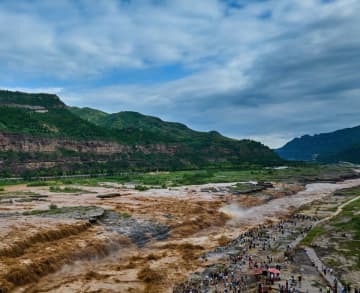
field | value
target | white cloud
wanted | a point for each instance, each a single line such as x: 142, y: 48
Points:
x: 247, y: 75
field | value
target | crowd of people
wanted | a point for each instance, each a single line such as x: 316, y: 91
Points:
x: 252, y: 262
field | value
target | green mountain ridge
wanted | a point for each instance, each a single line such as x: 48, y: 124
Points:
x: 340, y: 145
x: 159, y: 131
x: 38, y: 131
x: 351, y: 155
x: 173, y: 131
x: 48, y: 101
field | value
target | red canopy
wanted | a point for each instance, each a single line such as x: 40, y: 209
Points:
x: 274, y: 271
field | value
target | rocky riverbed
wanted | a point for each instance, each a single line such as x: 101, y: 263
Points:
x: 141, y: 241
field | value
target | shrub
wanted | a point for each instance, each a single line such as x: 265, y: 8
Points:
x: 141, y: 187
x: 37, y: 183
x: 53, y: 206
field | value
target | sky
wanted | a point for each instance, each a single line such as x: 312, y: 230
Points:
x: 268, y: 70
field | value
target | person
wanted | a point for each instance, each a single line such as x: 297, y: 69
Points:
x: 348, y: 288
x: 335, y: 286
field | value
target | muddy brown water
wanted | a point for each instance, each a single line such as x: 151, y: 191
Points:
x: 275, y: 208
x: 119, y: 271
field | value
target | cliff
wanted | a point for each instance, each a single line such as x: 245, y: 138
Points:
x: 40, y: 135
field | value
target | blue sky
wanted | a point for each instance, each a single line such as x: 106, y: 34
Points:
x: 263, y: 69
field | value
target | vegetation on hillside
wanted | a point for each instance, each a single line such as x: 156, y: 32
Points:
x: 351, y: 154
x: 189, y: 149
x: 298, y: 173
x: 59, y: 123
x: 46, y: 100
x: 343, y: 230
x: 166, y: 131
x: 334, y: 146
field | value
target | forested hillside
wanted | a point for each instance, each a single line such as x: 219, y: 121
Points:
x: 330, y: 146
x: 40, y: 134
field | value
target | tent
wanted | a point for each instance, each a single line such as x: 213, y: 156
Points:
x: 274, y: 271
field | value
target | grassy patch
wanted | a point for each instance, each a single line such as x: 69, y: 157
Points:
x: 295, y: 173
x: 141, y: 187
x: 55, y: 210
x: 38, y: 183
x: 348, y: 192
x: 125, y: 215
x: 342, y: 232
x: 314, y: 233
x: 18, y: 194
x: 333, y: 263
x: 64, y: 189
x: 246, y: 188
x: 305, y: 172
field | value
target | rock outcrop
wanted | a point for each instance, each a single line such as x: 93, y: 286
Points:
x: 35, y: 144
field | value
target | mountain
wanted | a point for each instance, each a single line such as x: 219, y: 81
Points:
x: 340, y: 145
x: 165, y: 131
x: 40, y: 135
x: 89, y: 114
x: 351, y: 155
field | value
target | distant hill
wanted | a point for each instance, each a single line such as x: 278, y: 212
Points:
x: 48, y: 101
x: 89, y: 114
x: 340, y: 145
x: 351, y: 155
x: 39, y: 134
x: 165, y: 131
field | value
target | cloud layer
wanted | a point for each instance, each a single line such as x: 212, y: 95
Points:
x: 269, y: 70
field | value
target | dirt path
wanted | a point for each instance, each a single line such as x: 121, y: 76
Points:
x: 330, y: 278
x: 314, y: 257
x: 338, y: 210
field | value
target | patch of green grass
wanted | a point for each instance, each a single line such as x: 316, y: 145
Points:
x: 306, y: 172
x: 64, y: 189
x: 342, y: 231
x: 53, y: 206
x: 348, y: 192
x: 38, y: 183
x: 243, y: 173
x: 141, y: 187
x: 246, y: 188
x: 54, y: 210
x: 352, y: 250
x: 333, y: 209
x: 333, y: 263
x: 17, y: 194
x: 314, y: 233
x: 125, y: 215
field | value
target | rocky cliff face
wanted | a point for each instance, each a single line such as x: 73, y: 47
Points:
x: 22, y: 153
x: 34, y: 144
